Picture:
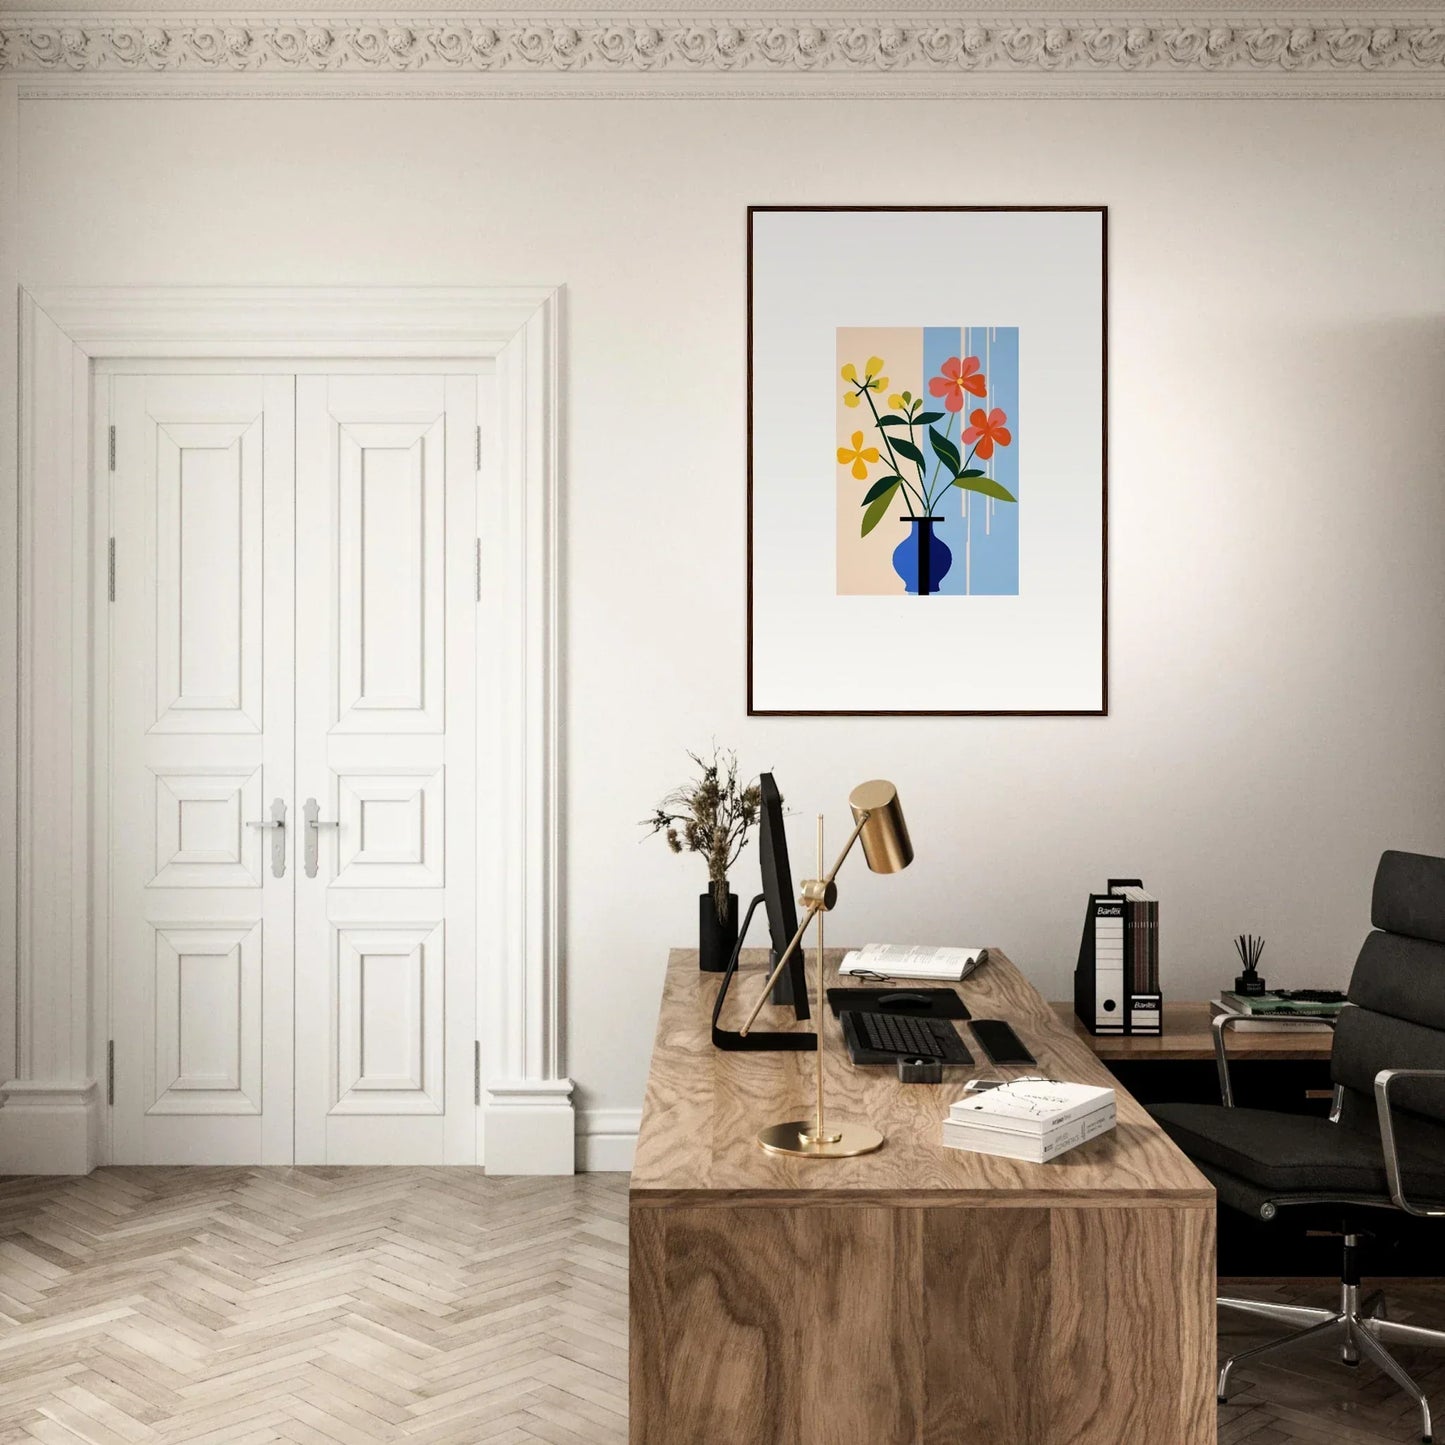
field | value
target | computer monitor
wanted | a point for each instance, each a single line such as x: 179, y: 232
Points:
x: 791, y: 987
x: 777, y: 898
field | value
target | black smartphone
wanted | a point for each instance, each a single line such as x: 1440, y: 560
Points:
x: 1000, y: 1043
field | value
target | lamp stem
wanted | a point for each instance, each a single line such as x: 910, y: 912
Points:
x: 819, y: 1133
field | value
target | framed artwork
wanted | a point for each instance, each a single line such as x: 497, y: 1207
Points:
x: 927, y: 460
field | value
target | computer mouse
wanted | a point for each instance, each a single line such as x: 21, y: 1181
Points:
x: 903, y: 1000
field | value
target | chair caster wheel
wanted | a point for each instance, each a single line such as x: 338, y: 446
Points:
x: 1353, y: 1364
x: 1221, y: 1399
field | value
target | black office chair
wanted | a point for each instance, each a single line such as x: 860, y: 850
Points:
x: 1382, y: 1150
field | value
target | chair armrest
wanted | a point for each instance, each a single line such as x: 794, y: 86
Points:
x: 1221, y: 1024
x: 1383, y: 1080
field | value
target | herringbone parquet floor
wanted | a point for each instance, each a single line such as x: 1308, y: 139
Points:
x: 320, y: 1306
x: 346, y: 1306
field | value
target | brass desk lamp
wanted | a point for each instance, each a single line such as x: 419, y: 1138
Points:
x: 878, y: 823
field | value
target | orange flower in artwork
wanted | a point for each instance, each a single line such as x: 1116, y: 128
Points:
x: 986, y: 432
x: 958, y: 376
x: 860, y: 456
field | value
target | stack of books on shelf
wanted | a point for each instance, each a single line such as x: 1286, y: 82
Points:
x: 1033, y: 1119
x: 1266, y: 1010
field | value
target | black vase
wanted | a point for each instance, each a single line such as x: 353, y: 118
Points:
x: 716, y: 938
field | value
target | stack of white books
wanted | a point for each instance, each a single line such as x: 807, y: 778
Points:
x: 1034, y: 1119
x: 906, y: 960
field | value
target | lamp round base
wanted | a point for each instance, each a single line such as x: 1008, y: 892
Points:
x: 795, y: 1137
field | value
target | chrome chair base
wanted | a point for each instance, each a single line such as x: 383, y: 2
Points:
x: 1362, y: 1325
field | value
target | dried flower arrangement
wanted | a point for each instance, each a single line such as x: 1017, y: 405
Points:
x: 712, y: 815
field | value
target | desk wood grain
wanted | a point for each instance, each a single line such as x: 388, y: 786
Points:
x: 919, y: 1295
x: 703, y: 1108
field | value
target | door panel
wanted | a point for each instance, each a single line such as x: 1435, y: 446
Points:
x: 201, y: 721
x: 391, y: 571
x: 389, y: 1017
x: 392, y: 829
x: 208, y: 576
x: 385, y: 928
x: 208, y: 1019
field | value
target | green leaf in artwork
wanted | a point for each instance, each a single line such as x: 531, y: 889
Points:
x: 892, y: 419
x: 974, y: 481
x: 927, y: 418
x: 874, y: 514
x: 945, y: 450
x: 883, y: 484
x: 974, y: 472
x: 907, y: 449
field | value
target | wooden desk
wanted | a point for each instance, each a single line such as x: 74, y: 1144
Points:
x: 919, y: 1294
x: 1188, y: 1037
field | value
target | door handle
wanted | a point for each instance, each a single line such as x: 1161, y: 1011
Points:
x: 314, y: 824
x: 276, y: 822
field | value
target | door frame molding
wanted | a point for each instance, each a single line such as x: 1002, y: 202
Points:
x: 53, y: 1102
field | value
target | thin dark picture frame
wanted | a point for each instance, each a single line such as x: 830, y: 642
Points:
x: 1102, y: 710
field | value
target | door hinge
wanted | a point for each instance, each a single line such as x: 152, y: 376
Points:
x: 110, y: 1072
x: 110, y: 569
x: 112, y: 449
x: 479, y: 569
x: 479, y: 448
x: 477, y: 1072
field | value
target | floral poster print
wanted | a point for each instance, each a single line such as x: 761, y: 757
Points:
x: 927, y: 482
x: 927, y: 461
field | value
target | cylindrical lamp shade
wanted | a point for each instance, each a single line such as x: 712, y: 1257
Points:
x: 886, y: 844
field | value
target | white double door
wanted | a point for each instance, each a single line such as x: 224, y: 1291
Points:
x: 292, y: 765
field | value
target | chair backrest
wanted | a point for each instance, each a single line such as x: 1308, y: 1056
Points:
x: 1398, y: 995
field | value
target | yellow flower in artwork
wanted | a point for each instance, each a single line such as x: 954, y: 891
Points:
x: 871, y: 380
x: 860, y: 456
x: 897, y: 403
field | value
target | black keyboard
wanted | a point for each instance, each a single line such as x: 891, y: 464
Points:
x: 901, y: 1036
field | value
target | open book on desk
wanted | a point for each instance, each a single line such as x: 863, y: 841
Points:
x: 905, y: 960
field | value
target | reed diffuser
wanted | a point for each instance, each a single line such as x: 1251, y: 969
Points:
x: 1249, y: 948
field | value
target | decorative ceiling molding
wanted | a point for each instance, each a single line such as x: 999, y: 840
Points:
x: 886, y: 54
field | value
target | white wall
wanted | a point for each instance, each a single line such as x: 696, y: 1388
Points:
x: 1277, y: 492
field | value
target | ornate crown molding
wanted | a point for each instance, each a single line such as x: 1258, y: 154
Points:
x: 893, y: 53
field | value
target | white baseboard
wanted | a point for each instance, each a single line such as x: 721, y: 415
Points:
x: 607, y: 1140
x: 49, y: 1128
x: 530, y: 1127
x: 55, y: 1129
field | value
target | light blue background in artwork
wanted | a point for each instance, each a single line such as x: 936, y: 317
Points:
x: 985, y: 549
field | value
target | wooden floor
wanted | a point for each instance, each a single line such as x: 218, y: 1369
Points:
x: 1305, y: 1394
x: 344, y: 1306
x: 324, y: 1306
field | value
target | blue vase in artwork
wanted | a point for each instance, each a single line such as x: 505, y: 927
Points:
x: 921, y: 559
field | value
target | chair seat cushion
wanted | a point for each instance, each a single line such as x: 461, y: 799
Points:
x: 1292, y: 1153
